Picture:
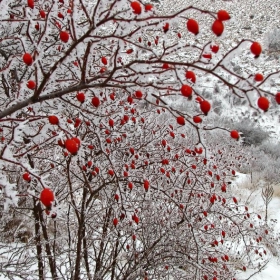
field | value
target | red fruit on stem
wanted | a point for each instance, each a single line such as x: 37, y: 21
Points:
x: 64, y: 36
x: 138, y: 94
x: 198, y: 150
x: 130, y: 99
x: 126, y: 118
x: 258, y: 77
x: 136, y: 220
x: 146, y: 185
x: 192, y: 26
x: 42, y: 14
x: 112, y: 96
x: 31, y: 84
x: 263, y: 103
x: 117, y: 197
x: 26, y: 177
x: 197, y: 119
x: 30, y: 4
x: 72, y: 146
x: 218, y: 27
x: 60, y: 15
x: 77, y: 122
x: 104, y: 60
x: 27, y: 59
x: 207, y: 55
x: 277, y: 97
x: 214, y: 48
x: 115, y: 221
x: 234, y: 134
x: 53, y: 120
x: 111, y: 172
x: 47, y: 197
x: 111, y: 123
x: 130, y: 185
x: 256, y: 49
x: 148, y: 7
x: 81, y: 97
x: 166, y: 27
x: 95, y: 101
x: 102, y: 70
x: 191, y: 76
x: 129, y: 51
x: 223, y: 15
x: 186, y: 90
x: 205, y: 106
x: 181, y: 120
x: 136, y: 7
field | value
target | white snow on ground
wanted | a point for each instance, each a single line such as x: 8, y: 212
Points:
x: 271, y: 272
x: 272, y: 269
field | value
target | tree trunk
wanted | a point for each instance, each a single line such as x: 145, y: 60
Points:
x: 81, y: 231
x: 38, y: 240
x: 47, y: 244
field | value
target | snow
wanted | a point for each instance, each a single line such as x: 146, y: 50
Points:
x: 272, y: 270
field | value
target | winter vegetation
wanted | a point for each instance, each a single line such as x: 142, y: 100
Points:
x: 125, y: 128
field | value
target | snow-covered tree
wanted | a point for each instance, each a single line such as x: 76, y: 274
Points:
x: 104, y: 120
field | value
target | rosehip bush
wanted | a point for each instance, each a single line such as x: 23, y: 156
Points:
x: 120, y: 182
